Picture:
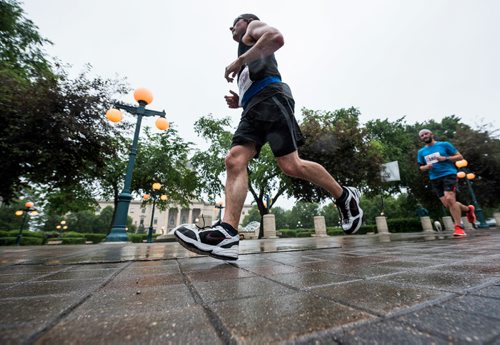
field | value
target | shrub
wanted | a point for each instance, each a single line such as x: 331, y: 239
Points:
x: 95, y: 237
x: 137, y: 238
x: 39, y: 236
x: 285, y: 233
x: 52, y: 234
x: 335, y: 231
x: 364, y: 229
x: 305, y: 233
x: 32, y: 241
x: 404, y: 225
x: 7, y: 241
x: 74, y: 234
x: 73, y: 240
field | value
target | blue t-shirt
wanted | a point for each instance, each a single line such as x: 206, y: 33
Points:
x: 428, y: 154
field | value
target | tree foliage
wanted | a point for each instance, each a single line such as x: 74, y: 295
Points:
x: 337, y: 141
x: 53, y: 130
x: 164, y: 158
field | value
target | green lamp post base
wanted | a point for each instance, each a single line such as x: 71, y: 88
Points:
x: 119, y: 230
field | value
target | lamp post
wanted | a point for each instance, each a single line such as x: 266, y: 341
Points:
x: 61, y: 227
x: 268, y: 202
x: 143, y: 97
x: 154, y: 195
x: 220, y: 206
x: 469, y: 176
x: 28, y: 208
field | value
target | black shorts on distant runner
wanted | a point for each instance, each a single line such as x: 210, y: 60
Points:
x: 271, y: 120
x: 443, y: 184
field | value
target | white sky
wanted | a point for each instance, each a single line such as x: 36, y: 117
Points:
x: 421, y: 59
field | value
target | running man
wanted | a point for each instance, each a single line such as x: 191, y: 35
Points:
x: 438, y: 158
x: 268, y: 117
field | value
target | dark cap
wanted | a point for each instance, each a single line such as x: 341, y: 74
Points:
x: 246, y: 16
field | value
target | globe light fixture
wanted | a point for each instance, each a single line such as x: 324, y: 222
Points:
x: 143, y: 95
x: 461, y: 163
x: 162, y: 124
x: 114, y: 115
x: 460, y: 174
x: 27, y: 210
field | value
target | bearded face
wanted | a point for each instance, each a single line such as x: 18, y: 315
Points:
x: 426, y: 137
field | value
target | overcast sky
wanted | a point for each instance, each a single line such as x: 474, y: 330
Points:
x: 421, y: 59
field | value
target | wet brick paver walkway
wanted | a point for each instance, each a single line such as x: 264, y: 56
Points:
x: 372, y: 289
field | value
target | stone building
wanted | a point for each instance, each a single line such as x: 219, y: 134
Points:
x: 199, y: 212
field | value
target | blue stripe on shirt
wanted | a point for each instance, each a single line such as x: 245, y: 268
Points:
x: 258, y: 86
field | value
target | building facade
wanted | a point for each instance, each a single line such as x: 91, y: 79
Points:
x: 198, y: 212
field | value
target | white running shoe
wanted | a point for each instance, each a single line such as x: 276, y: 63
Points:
x: 350, y: 213
x: 213, y: 240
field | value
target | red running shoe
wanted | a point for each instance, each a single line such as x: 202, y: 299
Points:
x: 471, y: 216
x: 459, y: 231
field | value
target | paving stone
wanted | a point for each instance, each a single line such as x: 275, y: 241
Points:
x: 377, y: 297
x: 131, y: 299
x: 269, y: 320
x: 455, y: 326
x: 55, y: 287
x: 473, y: 304
x: 169, y: 326
x: 236, y: 289
x: 306, y: 280
x: 442, y: 280
x: 144, y: 280
x: 77, y: 274
x: 224, y: 273
x: 32, y: 309
x: 378, y: 333
x: 490, y: 291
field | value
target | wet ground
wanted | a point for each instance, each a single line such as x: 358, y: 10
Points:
x: 418, y: 288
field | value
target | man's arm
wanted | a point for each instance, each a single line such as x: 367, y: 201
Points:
x: 264, y: 39
x: 453, y: 158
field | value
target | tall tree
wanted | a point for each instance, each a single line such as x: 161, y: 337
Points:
x: 21, y: 46
x: 53, y: 131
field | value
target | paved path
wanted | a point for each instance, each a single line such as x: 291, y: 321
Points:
x: 371, y: 289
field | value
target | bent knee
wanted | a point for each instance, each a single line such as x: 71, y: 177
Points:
x: 238, y: 158
x: 290, y: 168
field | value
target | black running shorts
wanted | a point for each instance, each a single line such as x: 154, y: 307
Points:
x: 446, y: 183
x: 270, y: 121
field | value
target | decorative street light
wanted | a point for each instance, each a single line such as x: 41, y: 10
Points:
x: 469, y: 176
x: 143, y: 97
x: 28, y: 209
x: 220, y: 206
x: 154, y: 195
x: 62, y: 227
